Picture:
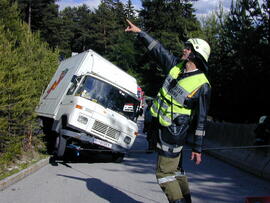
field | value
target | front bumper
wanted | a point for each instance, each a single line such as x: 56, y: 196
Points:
x: 92, y: 140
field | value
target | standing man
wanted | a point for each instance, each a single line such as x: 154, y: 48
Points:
x: 148, y: 126
x: 184, y: 93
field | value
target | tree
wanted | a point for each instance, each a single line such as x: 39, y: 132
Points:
x: 42, y: 15
x: 25, y: 69
x: 129, y: 10
x: 104, y: 28
x: 218, y: 73
x: 239, y: 60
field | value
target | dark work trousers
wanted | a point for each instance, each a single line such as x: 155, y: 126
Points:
x: 170, y: 174
x: 171, y: 180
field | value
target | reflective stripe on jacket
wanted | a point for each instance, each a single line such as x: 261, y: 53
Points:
x: 170, y: 100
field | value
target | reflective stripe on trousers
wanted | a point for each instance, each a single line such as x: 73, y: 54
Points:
x: 170, y: 178
x: 173, y: 183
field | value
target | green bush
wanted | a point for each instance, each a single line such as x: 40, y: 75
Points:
x: 26, y: 66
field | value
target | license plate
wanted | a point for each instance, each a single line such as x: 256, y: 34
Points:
x: 102, y: 143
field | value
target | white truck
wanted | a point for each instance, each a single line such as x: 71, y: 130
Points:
x: 90, y: 103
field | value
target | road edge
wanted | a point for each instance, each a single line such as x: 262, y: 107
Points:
x: 5, y: 183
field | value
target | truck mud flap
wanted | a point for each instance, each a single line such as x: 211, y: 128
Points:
x: 85, y: 138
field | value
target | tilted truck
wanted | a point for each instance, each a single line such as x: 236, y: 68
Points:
x: 90, y: 103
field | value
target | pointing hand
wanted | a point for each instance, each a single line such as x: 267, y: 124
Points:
x: 132, y: 28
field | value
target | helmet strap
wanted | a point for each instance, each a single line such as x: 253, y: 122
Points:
x: 191, y: 56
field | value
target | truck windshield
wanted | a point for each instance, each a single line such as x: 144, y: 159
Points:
x: 108, y: 96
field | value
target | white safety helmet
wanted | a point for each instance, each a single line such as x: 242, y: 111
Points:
x: 201, y: 47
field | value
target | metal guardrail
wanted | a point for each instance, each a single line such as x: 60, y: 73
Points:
x: 204, y: 149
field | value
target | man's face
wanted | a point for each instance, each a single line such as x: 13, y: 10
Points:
x: 186, y: 51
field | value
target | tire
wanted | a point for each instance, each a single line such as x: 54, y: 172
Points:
x: 49, y: 136
x: 118, y: 157
x: 61, y: 144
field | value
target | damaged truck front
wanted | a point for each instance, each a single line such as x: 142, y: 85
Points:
x: 91, y: 104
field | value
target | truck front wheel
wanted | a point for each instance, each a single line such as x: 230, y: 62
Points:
x: 118, y: 157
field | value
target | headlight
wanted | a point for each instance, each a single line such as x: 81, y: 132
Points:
x: 127, y: 139
x: 82, y: 119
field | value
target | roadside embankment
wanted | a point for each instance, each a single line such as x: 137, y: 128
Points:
x: 22, y: 174
x: 256, y: 161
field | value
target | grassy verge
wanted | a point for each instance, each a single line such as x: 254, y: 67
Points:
x: 15, y: 168
x: 17, y: 157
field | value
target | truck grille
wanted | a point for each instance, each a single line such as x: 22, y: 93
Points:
x: 106, y: 130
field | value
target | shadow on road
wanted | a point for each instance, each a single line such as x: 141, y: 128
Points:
x: 104, y: 190
x: 84, y: 157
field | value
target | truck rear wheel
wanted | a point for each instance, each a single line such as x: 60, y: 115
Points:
x: 60, y: 145
x: 118, y: 157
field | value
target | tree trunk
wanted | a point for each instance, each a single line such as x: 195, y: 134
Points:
x: 29, y: 15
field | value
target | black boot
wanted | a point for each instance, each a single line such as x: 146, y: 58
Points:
x: 187, y: 198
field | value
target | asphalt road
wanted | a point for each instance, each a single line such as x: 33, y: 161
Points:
x: 94, y: 178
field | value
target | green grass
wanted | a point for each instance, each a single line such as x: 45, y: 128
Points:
x: 19, y: 167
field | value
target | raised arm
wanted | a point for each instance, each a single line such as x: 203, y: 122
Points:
x: 161, y: 55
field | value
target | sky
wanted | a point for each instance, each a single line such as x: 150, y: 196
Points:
x: 202, y: 6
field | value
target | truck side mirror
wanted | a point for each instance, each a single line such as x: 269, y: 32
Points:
x: 74, y: 79
x: 74, y: 82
